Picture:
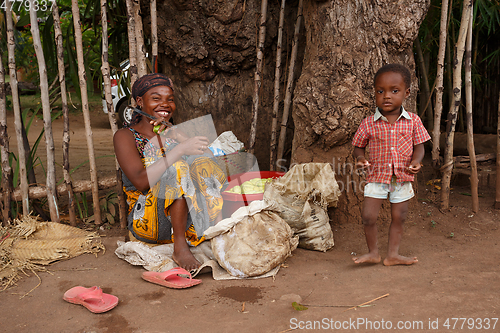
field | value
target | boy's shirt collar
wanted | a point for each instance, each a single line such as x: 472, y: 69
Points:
x: 379, y: 115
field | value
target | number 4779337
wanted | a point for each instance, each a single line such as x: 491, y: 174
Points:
x: 38, y: 5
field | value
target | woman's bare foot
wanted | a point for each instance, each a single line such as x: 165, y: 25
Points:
x: 399, y: 260
x: 185, y: 259
x: 369, y: 258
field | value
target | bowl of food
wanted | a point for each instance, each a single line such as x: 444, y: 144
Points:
x: 244, y: 188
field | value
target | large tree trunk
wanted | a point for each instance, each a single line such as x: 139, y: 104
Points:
x: 346, y: 44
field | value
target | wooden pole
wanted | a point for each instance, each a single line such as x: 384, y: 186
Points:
x: 85, y: 108
x: 452, y: 114
x: 426, y: 108
x: 47, y: 119
x: 139, y: 39
x: 289, y: 85
x: 23, y: 179
x: 65, y: 110
x: 154, y: 35
x: 258, y: 76
x: 132, y: 44
x: 111, y: 114
x: 438, y: 109
x: 470, y: 128
x: 4, y: 148
x: 37, y: 192
x: 277, y: 79
x: 497, y: 196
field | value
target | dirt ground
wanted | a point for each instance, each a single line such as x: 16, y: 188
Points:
x: 456, y: 277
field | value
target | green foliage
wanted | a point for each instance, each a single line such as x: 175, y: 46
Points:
x: 299, y: 307
x: 108, y: 208
x: 485, y: 53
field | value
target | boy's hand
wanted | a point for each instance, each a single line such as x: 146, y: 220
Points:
x: 414, y: 167
x: 362, y: 163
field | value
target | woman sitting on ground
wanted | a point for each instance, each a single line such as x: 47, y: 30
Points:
x: 172, y: 183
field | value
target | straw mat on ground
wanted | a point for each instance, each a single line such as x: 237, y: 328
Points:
x: 29, y: 244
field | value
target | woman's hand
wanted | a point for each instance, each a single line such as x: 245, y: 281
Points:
x: 194, y: 146
x: 159, y: 124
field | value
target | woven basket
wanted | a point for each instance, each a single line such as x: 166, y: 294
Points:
x: 234, y: 163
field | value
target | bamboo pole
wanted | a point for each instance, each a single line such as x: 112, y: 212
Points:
x: 65, y: 110
x: 139, y: 39
x: 154, y: 36
x: 289, y: 85
x: 132, y: 44
x: 23, y: 179
x: 111, y: 114
x: 470, y: 129
x: 4, y: 148
x: 277, y: 77
x: 85, y: 108
x: 452, y: 114
x: 47, y: 119
x: 426, y: 93
x: 497, y: 196
x: 258, y: 75
x: 438, y: 109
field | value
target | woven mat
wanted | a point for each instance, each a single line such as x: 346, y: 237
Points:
x: 30, y: 244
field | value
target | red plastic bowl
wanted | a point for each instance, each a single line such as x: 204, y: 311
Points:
x: 233, y: 201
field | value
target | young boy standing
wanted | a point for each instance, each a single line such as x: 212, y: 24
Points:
x: 395, y: 140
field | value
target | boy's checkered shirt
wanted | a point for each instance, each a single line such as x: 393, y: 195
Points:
x: 390, y: 146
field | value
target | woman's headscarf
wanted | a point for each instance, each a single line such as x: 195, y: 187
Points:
x: 143, y: 84
x: 149, y: 81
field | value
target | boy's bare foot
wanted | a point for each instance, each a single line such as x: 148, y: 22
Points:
x: 400, y: 260
x: 185, y: 259
x: 369, y: 258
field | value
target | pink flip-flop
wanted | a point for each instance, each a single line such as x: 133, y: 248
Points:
x: 92, y: 298
x: 171, y: 278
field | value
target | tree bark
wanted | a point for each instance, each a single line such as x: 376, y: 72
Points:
x: 65, y: 110
x: 454, y: 108
x: 17, y: 112
x: 122, y: 209
x: 290, y: 82
x: 277, y: 81
x: 438, y: 110
x: 85, y: 108
x: 258, y: 76
x: 4, y: 148
x: 470, y: 128
x: 347, y: 42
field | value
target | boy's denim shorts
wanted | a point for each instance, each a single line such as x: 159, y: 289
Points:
x: 398, y: 192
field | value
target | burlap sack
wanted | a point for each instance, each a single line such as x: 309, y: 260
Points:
x: 302, y: 197
x: 254, y: 245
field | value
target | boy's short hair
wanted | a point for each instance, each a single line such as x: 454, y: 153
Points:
x: 395, y: 68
